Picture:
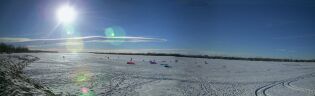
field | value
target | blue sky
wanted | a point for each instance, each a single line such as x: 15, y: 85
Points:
x: 263, y: 28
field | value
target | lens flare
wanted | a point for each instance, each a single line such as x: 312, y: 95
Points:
x: 85, y: 90
x: 115, y: 31
x: 69, y: 29
x: 74, y: 45
x: 109, y: 32
x: 81, y: 77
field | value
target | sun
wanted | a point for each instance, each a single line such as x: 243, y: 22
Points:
x: 66, y: 14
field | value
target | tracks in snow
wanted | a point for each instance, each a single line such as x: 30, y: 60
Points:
x: 261, y: 91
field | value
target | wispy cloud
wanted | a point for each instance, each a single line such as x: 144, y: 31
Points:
x: 294, y: 37
x: 84, y: 39
x: 9, y: 39
x: 285, y: 50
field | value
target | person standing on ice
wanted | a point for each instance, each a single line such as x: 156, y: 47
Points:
x: 130, y: 62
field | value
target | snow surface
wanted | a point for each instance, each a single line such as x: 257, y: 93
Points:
x: 13, y: 82
x: 187, y: 77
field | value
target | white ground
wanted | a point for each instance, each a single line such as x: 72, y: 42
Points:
x: 12, y: 80
x: 188, y: 77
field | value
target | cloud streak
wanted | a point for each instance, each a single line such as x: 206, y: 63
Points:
x: 294, y: 37
x: 84, y: 39
x: 10, y: 40
x: 285, y: 50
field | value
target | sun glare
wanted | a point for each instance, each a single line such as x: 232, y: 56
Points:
x: 66, y: 14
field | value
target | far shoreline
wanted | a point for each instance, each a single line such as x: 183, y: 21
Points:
x: 210, y: 57
x: 188, y: 56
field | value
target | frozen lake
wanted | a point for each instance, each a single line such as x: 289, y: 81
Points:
x: 95, y: 74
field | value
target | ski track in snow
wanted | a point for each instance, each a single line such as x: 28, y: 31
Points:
x: 262, y: 91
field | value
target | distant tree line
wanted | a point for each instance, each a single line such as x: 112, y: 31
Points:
x: 7, y: 48
x: 213, y: 57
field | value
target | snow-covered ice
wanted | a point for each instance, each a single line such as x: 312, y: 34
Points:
x: 87, y: 73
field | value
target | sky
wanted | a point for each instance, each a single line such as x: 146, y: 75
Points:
x: 248, y: 28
